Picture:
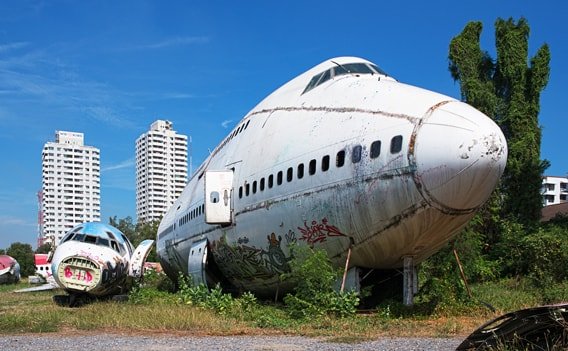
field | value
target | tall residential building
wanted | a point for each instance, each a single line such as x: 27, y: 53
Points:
x: 161, y: 170
x: 554, y: 190
x: 70, y: 192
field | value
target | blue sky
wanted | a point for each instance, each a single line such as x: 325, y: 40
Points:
x: 108, y: 69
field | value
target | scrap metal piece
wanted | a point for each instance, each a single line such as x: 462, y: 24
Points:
x: 538, y: 328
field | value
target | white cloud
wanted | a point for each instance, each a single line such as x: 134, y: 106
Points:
x: 124, y: 164
x: 36, y: 77
x: 13, y: 46
x: 7, y: 220
x: 172, y: 42
x: 225, y: 124
x: 178, y: 96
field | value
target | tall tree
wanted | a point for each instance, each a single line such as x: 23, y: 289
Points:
x: 24, y: 254
x: 508, y: 90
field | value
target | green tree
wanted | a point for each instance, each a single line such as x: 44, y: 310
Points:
x: 2, y: 252
x: 145, y: 231
x: 125, y: 225
x: 508, y: 90
x: 24, y: 254
x: 43, y: 249
x: 137, y: 233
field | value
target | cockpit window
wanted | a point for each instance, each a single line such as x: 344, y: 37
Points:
x: 339, y: 70
x: 312, y: 83
x: 378, y: 70
x: 79, y: 237
x: 348, y: 68
x: 90, y: 239
x: 68, y: 236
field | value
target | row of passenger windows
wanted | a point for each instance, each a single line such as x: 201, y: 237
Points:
x: 194, y: 213
x: 356, y: 156
x: 235, y: 132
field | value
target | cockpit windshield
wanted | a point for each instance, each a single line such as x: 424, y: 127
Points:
x: 348, y: 68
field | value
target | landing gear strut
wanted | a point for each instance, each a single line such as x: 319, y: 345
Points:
x: 410, y: 281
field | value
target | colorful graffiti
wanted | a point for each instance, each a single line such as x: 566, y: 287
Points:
x: 318, y: 232
x: 246, y: 262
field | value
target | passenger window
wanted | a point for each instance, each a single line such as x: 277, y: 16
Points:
x: 254, y: 187
x: 396, y: 144
x: 279, y: 178
x: 246, y: 125
x: 214, y: 197
x: 340, y: 158
x: 261, y: 184
x: 270, y: 181
x: 356, y: 155
x: 247, y: 189
x: 240, y: 192
x: 312, y: 169
x: 375, y: 149
x: 325, y: 163
x: 300, y: 171
x: 290, y: 174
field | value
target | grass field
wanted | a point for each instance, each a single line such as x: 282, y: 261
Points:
x: 36, y: 313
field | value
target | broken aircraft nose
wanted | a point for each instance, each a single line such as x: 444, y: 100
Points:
x: 459, y: 154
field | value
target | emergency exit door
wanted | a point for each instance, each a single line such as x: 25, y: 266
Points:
x: 218, y: 191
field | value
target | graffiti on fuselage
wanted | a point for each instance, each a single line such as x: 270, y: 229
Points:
x: 174, y: 256
x: 318, y: 232
x: 241, y: 261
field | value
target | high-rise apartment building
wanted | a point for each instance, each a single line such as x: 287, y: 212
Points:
x: 70, y: 192
x: 554, y: 190
x: 161, y: 170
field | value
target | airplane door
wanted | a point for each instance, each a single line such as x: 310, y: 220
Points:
x: 218, y: 204
x: 197, y: 261
x: 138, y: 258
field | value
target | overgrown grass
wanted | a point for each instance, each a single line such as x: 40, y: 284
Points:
x: 199, y: 313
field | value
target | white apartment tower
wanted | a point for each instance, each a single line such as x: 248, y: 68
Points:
x: 161, y: 170
x: 554, y: 190
x: 70, y: 185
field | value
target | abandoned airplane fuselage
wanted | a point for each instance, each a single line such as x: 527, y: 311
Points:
x: 9, y: 270
x: 97, y: 259
x: 343, y: 156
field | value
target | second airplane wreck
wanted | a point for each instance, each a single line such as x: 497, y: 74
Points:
x: 9, y: 270
x: 94, y: 260
x: 345, y: 158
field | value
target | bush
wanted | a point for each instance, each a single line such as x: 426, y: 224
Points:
x: 154, y: 287
x: 314, y: 294
x: 215, y: 299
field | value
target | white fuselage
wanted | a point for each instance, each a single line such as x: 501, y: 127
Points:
x: 87, y: 268
x: 358, y: 161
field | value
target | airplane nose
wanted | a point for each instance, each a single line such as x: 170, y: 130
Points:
x: 78, y: 273
x: 459, y: 154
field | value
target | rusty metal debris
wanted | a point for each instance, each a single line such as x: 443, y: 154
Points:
x: 538, y: 328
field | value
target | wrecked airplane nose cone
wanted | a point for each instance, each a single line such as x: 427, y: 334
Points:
x: 78, y: 273
x: 459, y: 154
